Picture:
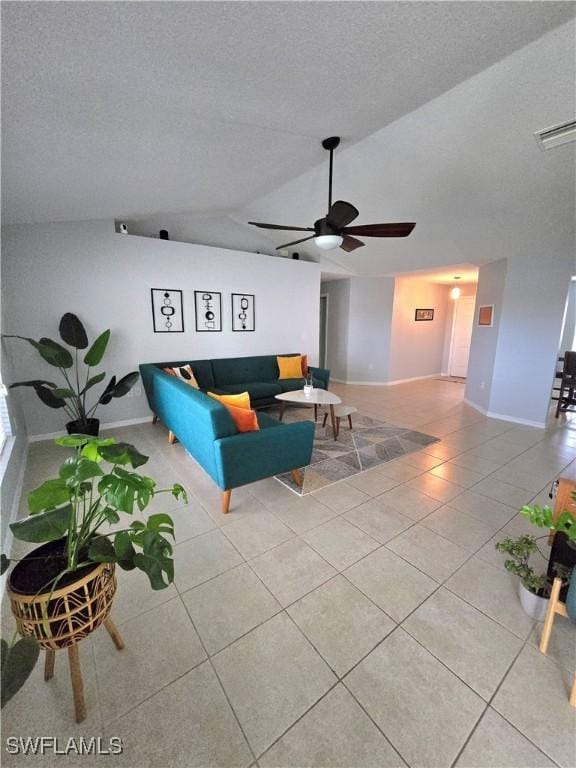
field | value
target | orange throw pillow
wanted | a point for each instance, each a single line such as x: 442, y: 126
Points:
x: 304, y: 365
x: 239, y: 401
x: 244, y: 418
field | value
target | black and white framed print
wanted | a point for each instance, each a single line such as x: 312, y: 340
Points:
x: 243, y: 312
x: 167, y: 314
x: 208, y: 308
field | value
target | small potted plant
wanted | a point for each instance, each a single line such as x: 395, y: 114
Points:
x: 63, y: 590
x: 308, y: 384
x: 563, y: 525
x: 72, y: 397
x: 534, y: 589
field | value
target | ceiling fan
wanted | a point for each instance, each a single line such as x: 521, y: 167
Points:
x: 333, y: 231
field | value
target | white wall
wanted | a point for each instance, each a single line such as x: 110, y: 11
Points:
x: 371, y: 301
x: 491, y: 280
x: 105, y: 278
x: 416, y: 347
x: 338, y: 292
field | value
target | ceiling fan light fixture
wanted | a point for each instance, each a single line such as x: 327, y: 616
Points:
x: 328, y: 242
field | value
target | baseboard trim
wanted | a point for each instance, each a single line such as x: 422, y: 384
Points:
x: 106, y: 425
x: 504, y: 417
x: 386, y: 383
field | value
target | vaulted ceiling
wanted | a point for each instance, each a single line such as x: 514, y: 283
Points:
x: 126, y: 109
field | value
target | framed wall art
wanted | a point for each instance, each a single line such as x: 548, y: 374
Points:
x: 208, y: 310
x: 423, y: 314
x: 486, y: 315
x: 243, y: 312
x: 167, y: 315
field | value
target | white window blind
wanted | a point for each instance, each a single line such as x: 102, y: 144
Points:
x: 5, y: 428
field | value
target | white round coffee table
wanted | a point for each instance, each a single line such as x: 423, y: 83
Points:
x: 316, y: 397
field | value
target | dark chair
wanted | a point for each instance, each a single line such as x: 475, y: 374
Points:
x: 567, y: 385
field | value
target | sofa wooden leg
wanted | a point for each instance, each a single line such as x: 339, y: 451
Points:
x: 154, y: 419
x: 171, y: 438
x: 297, y: 477
x: 226, y: 501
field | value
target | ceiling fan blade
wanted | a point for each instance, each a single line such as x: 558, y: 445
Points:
x: 350, y: 243
x: 381, y: 230
x: 295, y: 242
x: 280, y: 226
x: 340, y: 214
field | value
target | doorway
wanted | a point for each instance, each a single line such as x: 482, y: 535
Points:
x: 323, y: 329
x: 461, y: 336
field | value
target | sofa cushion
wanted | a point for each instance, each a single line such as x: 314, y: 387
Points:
x: 289, y: 367
x: 258, y: 390
x: 241, y: 400
x: 268, y: 422
x: 241, y: 370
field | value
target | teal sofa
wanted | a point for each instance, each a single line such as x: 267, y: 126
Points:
x: 256, y: 375
x: 207, y: 431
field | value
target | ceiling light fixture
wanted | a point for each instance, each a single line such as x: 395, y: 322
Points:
x: 328, y: 242
x: 455, y: 292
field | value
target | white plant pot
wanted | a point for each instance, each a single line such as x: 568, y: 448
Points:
x: 308, y: 389
x: 534, y: 605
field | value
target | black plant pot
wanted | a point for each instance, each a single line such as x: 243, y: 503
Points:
x: 88, y: 427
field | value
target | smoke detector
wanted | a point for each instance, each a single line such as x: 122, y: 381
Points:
x: 556, y: 135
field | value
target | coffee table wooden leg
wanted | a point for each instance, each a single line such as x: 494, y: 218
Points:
x: 315, y: 412
x: 333, y: 420
x: 49, y: 665
x: 77, y: 685
x: 325, y: 419
x: 282, y: 409
x: 350, y: 420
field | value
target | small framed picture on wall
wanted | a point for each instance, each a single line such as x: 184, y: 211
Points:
x: 208, y: 310
x: 167, y: 315
x: 423, y: 314
x: 486, y: 315
x: 243, y: 312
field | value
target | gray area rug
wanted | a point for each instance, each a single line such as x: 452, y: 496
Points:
x: 368, y: 444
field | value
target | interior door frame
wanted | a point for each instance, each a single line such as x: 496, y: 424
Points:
x: 327, y: 297
x: 452, y: 332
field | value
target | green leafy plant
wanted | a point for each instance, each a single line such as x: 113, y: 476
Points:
x: 543, y: 518
x: 72, y: 397
x: 520, y: 550
x: 94, y: 487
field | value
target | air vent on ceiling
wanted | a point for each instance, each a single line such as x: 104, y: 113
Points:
x: 556, y: 135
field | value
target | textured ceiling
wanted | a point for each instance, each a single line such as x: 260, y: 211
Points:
x: 123, y: 109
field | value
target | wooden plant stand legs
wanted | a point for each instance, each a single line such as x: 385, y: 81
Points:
x: 77, y: 684
x: 76, y: 672
x: 49, y: 665
x: 555, y: 607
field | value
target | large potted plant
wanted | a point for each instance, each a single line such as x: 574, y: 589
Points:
x: 534, y: 589
x: 63, y: 590
x: 72, y: 395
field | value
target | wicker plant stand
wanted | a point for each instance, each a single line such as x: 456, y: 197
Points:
x: 61, y: 619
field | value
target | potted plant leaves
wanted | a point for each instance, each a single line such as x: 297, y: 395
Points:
x: 534, y: 589
x: 72, y: 395
x: 63, y: 590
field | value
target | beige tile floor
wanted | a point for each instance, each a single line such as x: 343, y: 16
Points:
x: 368, y: 624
